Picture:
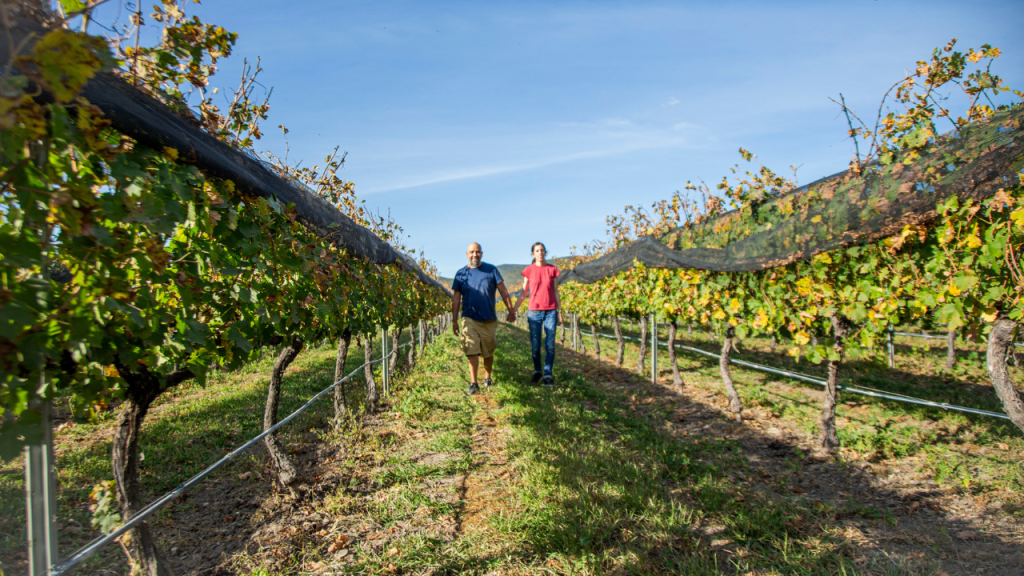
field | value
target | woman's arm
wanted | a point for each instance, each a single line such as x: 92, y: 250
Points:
x: 522, y: 295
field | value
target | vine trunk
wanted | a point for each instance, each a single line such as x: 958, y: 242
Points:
x: 676, y: 378
x: 143, y: 388
x: 735, y: 406
x: 396, y: 336
x: 287, y: 474
x: 829, y: 436
x: 1000, y: 340
x: 340, y: 400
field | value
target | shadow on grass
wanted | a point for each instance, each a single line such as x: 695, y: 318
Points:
x: 624, y: 477
x: 866, y: 372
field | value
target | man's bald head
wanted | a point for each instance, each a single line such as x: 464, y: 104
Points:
x: 474, y: 253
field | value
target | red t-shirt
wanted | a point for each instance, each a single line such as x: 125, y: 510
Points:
x: 541, y: 286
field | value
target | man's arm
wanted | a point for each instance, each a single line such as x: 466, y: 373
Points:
x: 456, y: 304
x: 522, y: 294
x: 558, y: 303
x: 507, y: 300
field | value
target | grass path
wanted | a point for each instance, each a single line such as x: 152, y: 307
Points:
x: 607, y: 474
x: 603, y: 474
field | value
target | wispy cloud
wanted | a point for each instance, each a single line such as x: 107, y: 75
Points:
x: 483, y: 171
x: 508, y: 150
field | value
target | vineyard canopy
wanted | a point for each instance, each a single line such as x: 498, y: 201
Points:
x: 152, y: 123
x: 841, y: 210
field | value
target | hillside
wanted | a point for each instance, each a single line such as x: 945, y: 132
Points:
x: 510, y: 272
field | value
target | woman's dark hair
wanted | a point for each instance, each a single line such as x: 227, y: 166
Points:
x: 534, y: 247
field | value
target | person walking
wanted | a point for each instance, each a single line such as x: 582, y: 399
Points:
x: 545, y: 311
x: 473, y: 289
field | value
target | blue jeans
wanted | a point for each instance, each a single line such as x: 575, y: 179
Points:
x: 546, y: 319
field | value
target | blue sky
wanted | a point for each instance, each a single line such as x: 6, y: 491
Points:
x: 513, y: 122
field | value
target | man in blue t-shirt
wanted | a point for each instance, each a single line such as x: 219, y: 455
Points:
x: 473, y: 290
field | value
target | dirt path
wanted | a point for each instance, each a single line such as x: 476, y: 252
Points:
x: 484, y: 491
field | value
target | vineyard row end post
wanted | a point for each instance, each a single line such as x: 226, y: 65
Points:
x: 41, y: 497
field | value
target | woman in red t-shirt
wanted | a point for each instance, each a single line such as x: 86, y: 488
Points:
x: 545, y: 311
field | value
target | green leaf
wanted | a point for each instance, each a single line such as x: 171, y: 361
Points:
x: 70, y: 6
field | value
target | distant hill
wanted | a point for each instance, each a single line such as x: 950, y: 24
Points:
x: 511, y: 274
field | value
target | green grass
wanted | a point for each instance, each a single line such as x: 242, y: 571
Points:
x: 607, y: 489
x: 593, y: 487
x: 588, y: 477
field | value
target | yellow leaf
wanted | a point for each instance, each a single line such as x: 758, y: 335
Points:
x: 171, y: 153
x: 953, y: 290
x: 803, y: 286
x: 761, y: 321
x: 1018, y: 216
x: 734, y: 305
x: 973, y: 241
x: 801, y: 338
x: 66, y: 60
x: 816, y: 219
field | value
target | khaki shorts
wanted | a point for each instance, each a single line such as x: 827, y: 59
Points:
x: 478, y: 338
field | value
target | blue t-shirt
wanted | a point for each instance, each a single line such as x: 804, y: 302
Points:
x: 478, y: 286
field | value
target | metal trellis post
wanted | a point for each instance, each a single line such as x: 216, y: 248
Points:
x: 384, y: 359
x: 576, y: 332
x: 654, y: 350
x: 892, y: 350
x: 41, y: 499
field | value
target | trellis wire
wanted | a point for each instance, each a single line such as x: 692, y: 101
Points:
x: 917, y: 335
x: 933, y: 337
x: 820, y: 382
x: 94, y: 546
x: 914, y: 335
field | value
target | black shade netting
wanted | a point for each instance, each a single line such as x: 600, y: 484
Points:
x: 842, y: 210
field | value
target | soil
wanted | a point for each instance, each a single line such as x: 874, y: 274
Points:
x: 485, y: 487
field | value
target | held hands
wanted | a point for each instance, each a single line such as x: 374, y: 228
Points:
x: 511, y: 316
